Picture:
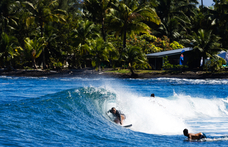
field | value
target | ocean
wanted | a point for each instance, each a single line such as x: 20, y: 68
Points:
x: 73, y: 111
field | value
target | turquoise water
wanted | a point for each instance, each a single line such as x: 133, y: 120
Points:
x: 72, y: 111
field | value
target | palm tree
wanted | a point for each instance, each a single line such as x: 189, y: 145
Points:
x: 135, y: 58
x: 33, y: 48
x: 204, y: 43
x: 100, y: 52
x: 82, y: 37
x: 188, y: 7
x: 97, y: 12
x: 175, y: 17
x: 219, y: 16
x: 170, y: 28
x: 8, y: 45
x: 8, y: 11
x: 42, y: 12
x: 199, y: 21
x: 128, y: 17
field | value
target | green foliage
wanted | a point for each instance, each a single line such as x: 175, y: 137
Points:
x: 214, y: 64
x: 175, y: 18
x: 71, y: 29
x: 152, y: 44
x: 100, y: 52
x: 82, y: 38
x: 176, y: 45
x: 180, y: 66
x: 154, y: 49
x: 204, y: 42
x: 135, y: 58
x: 8, y: 48
x: 127, y: 18
x: 166, y: 64
x: 163, y: 43
x: 58, y: 65
x: 41, y: 13
x: 149, y: 45
x: 8, y: 19
x: 33, y: 48
x: 98, y: 12
x: 148, y: 37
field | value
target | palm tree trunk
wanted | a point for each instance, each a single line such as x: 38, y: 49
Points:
x: 132, y: 72
x: 43, y: 51
x: 125, y: 37
x: 34, y: 63
x: 124, y: 42
x: 74, y: 60
x: 103, y: 31
x: 1, y: 62
x: 6, y: 62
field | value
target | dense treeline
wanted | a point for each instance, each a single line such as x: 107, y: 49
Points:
x: 111, y: 33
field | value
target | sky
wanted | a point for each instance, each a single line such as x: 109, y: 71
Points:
x: 206, y: 2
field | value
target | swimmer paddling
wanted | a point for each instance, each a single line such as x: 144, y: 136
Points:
x: 192, y: 136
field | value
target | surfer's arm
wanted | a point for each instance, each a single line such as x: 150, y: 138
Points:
x: 189, y: 137
x: 108, y: 111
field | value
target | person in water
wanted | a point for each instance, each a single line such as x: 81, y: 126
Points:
x: 152, y: 95
x: 192, y: 136
x: 119, y: 117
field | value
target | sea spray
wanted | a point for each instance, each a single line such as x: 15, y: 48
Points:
x: 168, y: 115
x: 146, y: 114
x: 149, y: 116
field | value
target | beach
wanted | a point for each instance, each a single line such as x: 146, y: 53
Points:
x: 91, y: 72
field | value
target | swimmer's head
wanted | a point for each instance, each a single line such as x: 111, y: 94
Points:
x: 185, y: 131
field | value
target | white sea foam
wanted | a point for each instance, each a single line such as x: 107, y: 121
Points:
x: 169, y: 116
x: 197, y: 81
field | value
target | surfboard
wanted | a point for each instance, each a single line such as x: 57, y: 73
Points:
x: 127, y: 126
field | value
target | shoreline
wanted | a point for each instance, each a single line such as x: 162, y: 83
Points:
x: 92, y: 73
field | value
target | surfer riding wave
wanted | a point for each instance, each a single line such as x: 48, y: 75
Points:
x: 119, y: 117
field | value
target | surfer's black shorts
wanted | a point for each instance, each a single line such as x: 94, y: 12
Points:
x: 203, y: 136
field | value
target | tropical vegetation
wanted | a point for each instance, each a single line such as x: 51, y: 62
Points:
x: 49, y: 34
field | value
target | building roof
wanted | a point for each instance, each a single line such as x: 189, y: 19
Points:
x: 168, y: 53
